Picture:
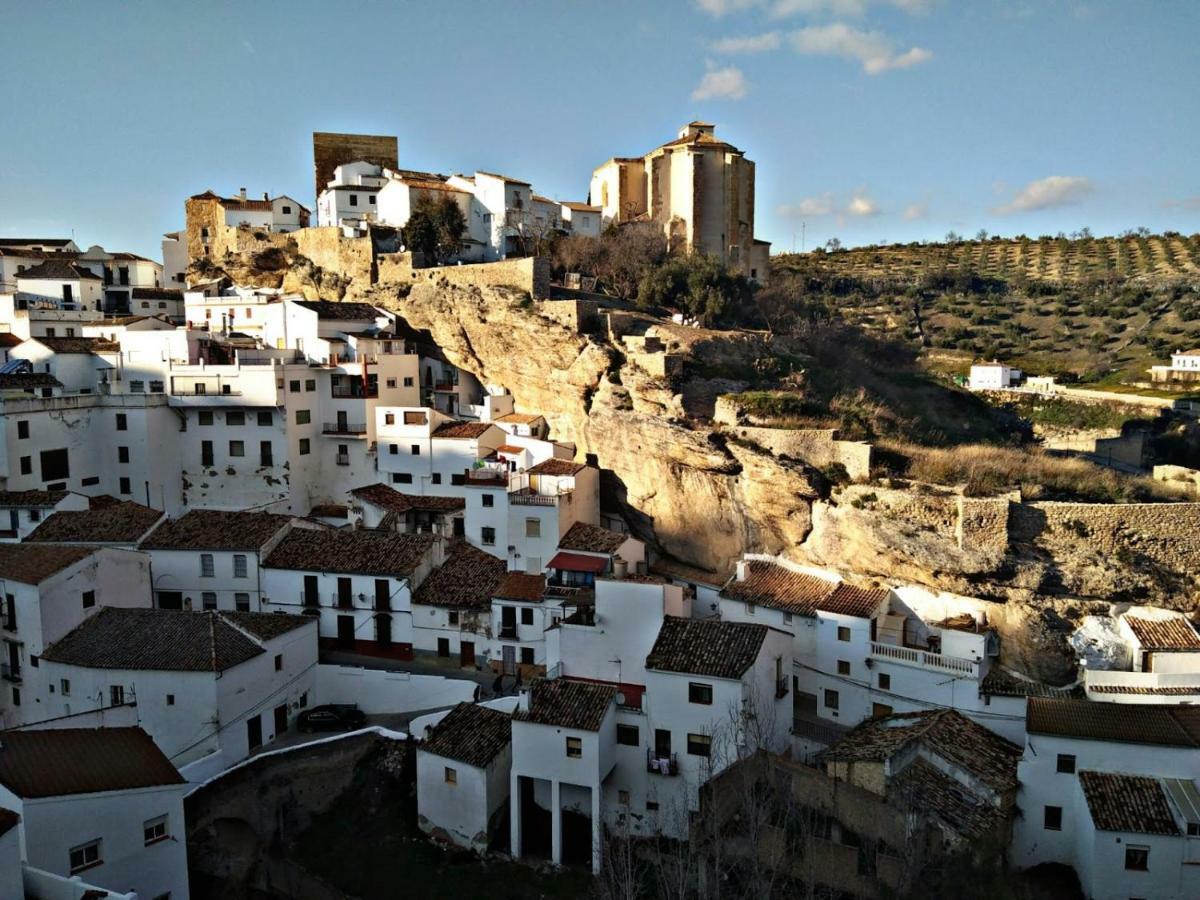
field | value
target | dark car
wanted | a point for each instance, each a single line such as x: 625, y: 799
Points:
x: 333, y: 717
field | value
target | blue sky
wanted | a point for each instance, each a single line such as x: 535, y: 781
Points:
x: 869, y: 120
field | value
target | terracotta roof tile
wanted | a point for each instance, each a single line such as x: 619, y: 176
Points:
x: 386, y: 497
x: 778, y: 587
x: 519, y: 418
x: 558, y: 467
x: 1157, y: 691
x: 1128, y: 723
x: 1130, y: 803
x: 471, y: 734
x: 124, y: 522
x: 712, y: 647
x: 345, y: 311
x: 30, y: 499
x: 466, y: 580
x: 520, y: 586
x: 27, y: 381
x: 852, y: 600
x: 211, y: 529
x: 567, y: 704
x: 58, y: 762
x: 923, y: 786
x: 358, y: 552
x: 78, y: 344
x: 59, y: 270
x: 585, y: 538
x: 1175, y: 633
x: 33, y: 564
x: 461, y: 430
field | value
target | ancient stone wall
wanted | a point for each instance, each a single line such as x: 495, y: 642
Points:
x: 350, y: 257
x: 581, y: 316
x: 331, y: 150
x: 983, y: 523
x: 530, y: 274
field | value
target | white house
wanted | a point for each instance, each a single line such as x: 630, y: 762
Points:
x: 587, y: 551
x: 48, y: 590
x: 404, y: 191
x: 1067, y: 737
x: 102, y: 804
x: 175, y: 259
x: 422, y: 451
x: 23, y: 511
x: 582, y: 218
x: 451, y: 611
x: 202, y: 682
x: 358, y: 585
x: 522, y: 613
x: 349, y: 199
x: 81, y: 364
x: 1164, y: 654
x: 211, y: 559
x: 380, y: 506
x: 64, y: 283
x: 463, y: 770
x: 121, y: 523
x: 993, y: 376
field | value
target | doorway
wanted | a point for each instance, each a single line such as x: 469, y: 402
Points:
x: 254, y: 732
x: 466, y: 654
x: 345, y: 631
x: 170, y: 600
x: 281, y: 720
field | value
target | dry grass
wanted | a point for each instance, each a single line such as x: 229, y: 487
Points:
x: 987, y: 470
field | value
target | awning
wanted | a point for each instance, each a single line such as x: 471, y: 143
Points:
x: 577, y: 562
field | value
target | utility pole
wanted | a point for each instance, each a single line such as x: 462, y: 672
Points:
x: 803, y: 226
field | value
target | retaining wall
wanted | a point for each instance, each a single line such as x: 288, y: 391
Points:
x: 378, y: 692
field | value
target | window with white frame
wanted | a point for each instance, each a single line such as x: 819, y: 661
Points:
x: 239, y: 565
x: 85, y: 856
x: 207, y: 569
x: 154, y: 830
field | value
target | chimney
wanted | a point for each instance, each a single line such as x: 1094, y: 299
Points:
x: 265, y: 197
x: 242, y: 193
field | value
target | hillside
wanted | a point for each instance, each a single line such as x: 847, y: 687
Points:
x: 1095, y: 308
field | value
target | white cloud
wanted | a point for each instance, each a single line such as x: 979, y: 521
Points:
x: 861, y: 205
x: 721, y: 84
x: 872, y: 49
x: 809, y: 206
x: 1056, y: 190
x: 915, y: 211
x: 758, y: 43
x: 843, y: 9
x: 724, y: 7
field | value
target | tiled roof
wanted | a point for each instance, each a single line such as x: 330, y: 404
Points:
x: 149, y: 293
x: 1157, y: 691
x: 580, y: 207
x: 946, y: 732
x: 167, y: 640
x: 557, y: 467
x: 59, y: 270
x: 586, y: 538
x: 519, y: 418
x: 33, y: 564
x: 1130, y: 803
x: 776, y: 586
x: 1175, y: 633
x: 567, y: 704
x: 461, y: 429
x: 389, y: 498
x: 124, y: 522
x: 329, y: 309
x: 8, y: 339
x: 505, y: 178
x: 520, y: 586
x: 511, y: 449
x: 78, y: 344
x: 999, y: 683
x: 712, y: 647
x: 57, y: 762
x: 924, y: 786
x: 30, y: 499
x: 23, y: 381
x: 471, y: 734
x: 212, y: 529
x: 36, y: 242
x: 358, y: 552
x: 466, y: 580
x: 1129, y: 723
x: 702, y: 139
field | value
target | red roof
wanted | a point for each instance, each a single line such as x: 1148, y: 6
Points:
x: 578, y: 562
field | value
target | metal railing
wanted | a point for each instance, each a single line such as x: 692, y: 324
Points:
x: 309, y: 601
x: 345, y: 428
x: 508, y: 632
x: 662, y: 763
x: 925, y: 658
x: 524, y: 498
x: 10, y: 672
x: 343, y: 459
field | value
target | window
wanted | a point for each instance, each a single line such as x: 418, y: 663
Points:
x: 235, y: 418
x: 123, y: 454
x: 450, y: 776
x: 488, y: 501
x: 122, y: 422
x: 287, y: 210
x: 85, y: 856
x: 310, y: 384
x: 1065, y: 764
x: 843, y: 667
x: 1137, y: 859
x: 89, y: 599
x: 206, y: 453
x: 401, y: 478
x: 22, y: 430
x: 389, y: 418
x: 843, y: 633
x: 574, y: 748
x: 487, y: 536
x: 116, y: 695
x: 533, y: 528
x: 436, y: 478
x: 879, y: 710
x: 628, y: 735
x: 416, y: 450
x: 241, y: 602
x: 305, y: 447
x: 527, y: 656
x: 266, y: 419
x: 1052, y: 818
x: 831, y: 699
x: 452, y: 617
x: 749, y: 607
x: 26, y: 465
x: 700, y: 693
x: 354, y: 199
x: 125, y: 486
x: 137, y: 386
x: 207, y: 570
x: 526, y: 616
x: 699, y: 745
x: 208, y: 601
x: 408, y: 382
x: 294, y: 387
x: 204, y: 417
x: 623, y: 797
x: 787, y: 618
x: 651, y: 806
x: 154, y: 830
x: 55, y: 465
x: 391, y: 382
x: 170, y: 699
x: 303, y: 417
x: 239, y: 565
x: 278, y: 662
x: 156, y: 387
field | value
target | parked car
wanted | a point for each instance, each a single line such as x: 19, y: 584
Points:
x: 332, y: 717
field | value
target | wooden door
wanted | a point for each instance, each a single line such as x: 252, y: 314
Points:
x: 254, y: 732
x: 466, y: 656
x: 281, y: 720
x: 345, y: 631
x: 509, y: 659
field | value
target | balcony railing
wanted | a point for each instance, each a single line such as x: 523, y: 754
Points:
x: 343, y: 602
x: 355, y: 393
x: 446, y: 387
x: 10, y: 672
x: 662, y: 763
x: 343, y: 460
x: 528, y: 498
x: 309, y: 601
x: 345, y: 428
x: 508, y: 632
x: 925, y: 658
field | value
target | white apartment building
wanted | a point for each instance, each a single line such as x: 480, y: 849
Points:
x: 993, y: 376
x: 357, y: 585
x: 1066, y: 738
x: 350, y: 198
x: 47, y: 591
x: 202, y: 682
x: 406, y: 190
x: 422, y: 451
x: 19, y: 254
x: 81, y: 364
x: 463, y: 771
x: 119, y: 826
x: 209, y: 559
x: 582, y: 219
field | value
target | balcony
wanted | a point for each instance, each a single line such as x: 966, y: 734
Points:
x: 529, y: 498
x: 10, y: 622
x: 357, y: 428
x: 926, y: 659
x: 341, y: 601
x: 9, y: 672
x: 662, y: 763
x: 309, y: 602
x: 446, y: 387
x: 341, y: 392
x: 343, y: 459
x: 508, y: 632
